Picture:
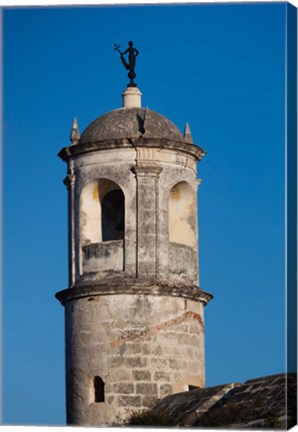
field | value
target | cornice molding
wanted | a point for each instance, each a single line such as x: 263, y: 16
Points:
x: 133, y: 287
x: 161, y: 143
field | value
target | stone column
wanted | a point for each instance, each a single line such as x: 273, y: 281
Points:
x: 69, y: 182
x: 147, y: 177
x: 198, y: 182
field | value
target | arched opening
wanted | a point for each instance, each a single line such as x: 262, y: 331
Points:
x: 102, y: 228
x: 182, y: 215
x: 102, y: 209
x: 112, y: 220
x: 99, y: 394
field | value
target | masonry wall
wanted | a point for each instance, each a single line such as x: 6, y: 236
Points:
x: 160, y: 236
x: 134, y: 311
x: 143, y: 347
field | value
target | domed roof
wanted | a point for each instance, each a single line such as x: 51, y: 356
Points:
x: 130, y: 123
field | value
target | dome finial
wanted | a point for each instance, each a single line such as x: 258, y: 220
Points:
x: 187, y: 133
x: 132, y: 98
x: 75, y: 133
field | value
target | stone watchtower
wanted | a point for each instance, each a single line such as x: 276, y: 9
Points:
x: 133, y: 309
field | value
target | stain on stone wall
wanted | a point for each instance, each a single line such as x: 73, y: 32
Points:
x: 139, y: 362
x: 183, y: 262
x: 100, y: 258
x: 182, y: 215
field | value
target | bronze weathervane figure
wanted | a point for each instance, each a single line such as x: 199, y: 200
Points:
x: 130, y: 65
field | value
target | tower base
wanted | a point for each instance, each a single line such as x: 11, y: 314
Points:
x: 129, y: 344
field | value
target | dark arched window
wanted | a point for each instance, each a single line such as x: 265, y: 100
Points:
x: 99, y: 393
x: 112, y: 207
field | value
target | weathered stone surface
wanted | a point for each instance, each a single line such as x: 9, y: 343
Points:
x: 135, y: 362
x: 258, y: 403
x: 181, y: 406
x: 123, y: 388
x: 120, y: 374
x: 152, y: 349
x: 133, y: 294
x: 106, y: 255
x: 147, y: 389
x: 109, y: 337
x: 178, y: 364
x: 131, y: 348
x: 130, y: 123
x: 115, y: 361
x: 129, y: 401
x: 182, y: 327
x: 142, y: 375
x: 182, y: 258
x: 182, y: 149
x: 91, y: 289
x: 158, y: 363
x: 160, y: 376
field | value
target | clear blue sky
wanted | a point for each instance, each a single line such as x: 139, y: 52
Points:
x: 218, y: 67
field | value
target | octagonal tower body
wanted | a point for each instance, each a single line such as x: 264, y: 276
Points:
x: 133, y: 310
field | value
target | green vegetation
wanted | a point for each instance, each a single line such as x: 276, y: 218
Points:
x: 150, y: 418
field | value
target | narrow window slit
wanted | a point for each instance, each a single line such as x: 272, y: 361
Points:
x: 99, y: 395
x: 192, y: 387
